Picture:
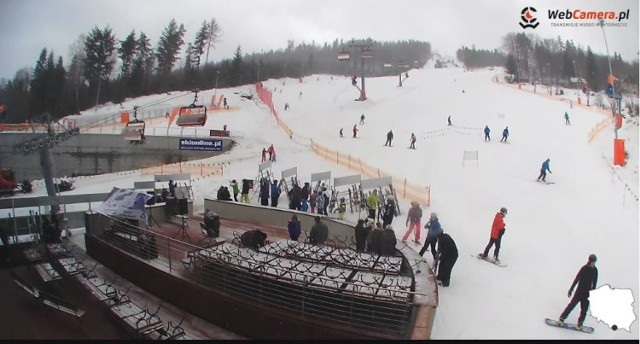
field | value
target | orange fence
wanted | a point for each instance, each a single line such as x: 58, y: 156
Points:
x: 196, y: 169
x: 599, y: 128
x: 595, y: 131
x: 404, y: 189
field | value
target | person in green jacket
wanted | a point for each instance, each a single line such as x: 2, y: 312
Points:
x: 372, y: 203
x: 236, y: 190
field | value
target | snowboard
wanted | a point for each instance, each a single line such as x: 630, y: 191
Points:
x: 554, y: 323
x: 489, y: 260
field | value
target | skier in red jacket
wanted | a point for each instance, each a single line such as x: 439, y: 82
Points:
x: 497, y: 231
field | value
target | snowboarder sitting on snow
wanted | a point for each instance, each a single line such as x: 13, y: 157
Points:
x: 389, y: 138
x: 544, y: 169
x: 498, y: 228
x: 486, y: 133
x: 586, y: 280
x: 505, y: 135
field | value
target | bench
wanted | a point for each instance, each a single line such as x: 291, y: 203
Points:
x: 47, y: 272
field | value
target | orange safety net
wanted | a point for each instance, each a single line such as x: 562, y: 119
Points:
x: 174, y: 113
x: 124, y: 117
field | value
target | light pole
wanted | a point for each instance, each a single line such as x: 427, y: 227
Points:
x: 215, y: 93
x: 613, y: 111
x: 259, y: 65
x: 284, y: 74
x: 549, y: 86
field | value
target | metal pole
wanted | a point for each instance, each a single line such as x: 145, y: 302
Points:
x: 363, y: 92
x: 613, y: 112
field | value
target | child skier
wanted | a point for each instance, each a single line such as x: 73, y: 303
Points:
x: 342, y: 209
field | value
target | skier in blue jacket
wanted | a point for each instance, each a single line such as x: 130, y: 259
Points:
x: 486, y: 133
x: 505, y: 135
x: 543, y: 170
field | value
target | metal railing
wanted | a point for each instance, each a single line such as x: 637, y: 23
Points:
x: 360, y: 293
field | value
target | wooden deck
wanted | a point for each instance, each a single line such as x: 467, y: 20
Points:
x: 192, y: 233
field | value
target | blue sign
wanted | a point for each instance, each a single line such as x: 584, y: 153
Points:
x: 201, y: 144
x: 609, y: 91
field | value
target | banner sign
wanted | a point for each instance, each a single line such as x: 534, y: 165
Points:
x: 125, y: 203
x: 201, y: 144
x: 220, y: 133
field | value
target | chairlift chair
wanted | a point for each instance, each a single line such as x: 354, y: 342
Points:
x: 344, y: 56
x: 192, y: 115
x: 134, y: 130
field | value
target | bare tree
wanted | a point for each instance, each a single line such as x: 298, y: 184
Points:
x: 214, y: 35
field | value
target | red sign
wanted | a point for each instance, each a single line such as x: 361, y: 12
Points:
x: 221, y: 133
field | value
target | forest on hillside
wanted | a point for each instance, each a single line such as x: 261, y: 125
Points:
x: 104, y: 68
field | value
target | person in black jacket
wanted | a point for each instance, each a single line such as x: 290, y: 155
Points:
x: 586, y: 280
x: 319, y: 232
x: 294, y: 197
x: 389, y: 138
x: 447, y: 256
x: 360, y: 233
x: 264, y: 192
x: 389, y: 241
x: 389, y: 213
x: 254, y: 239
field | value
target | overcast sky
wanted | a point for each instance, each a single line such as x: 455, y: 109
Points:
x: 27, y: 26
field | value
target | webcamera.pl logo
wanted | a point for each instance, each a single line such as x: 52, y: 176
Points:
x: 575, y: 17
x: 528, y: 19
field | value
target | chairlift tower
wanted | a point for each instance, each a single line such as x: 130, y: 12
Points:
x: 400, y: 68
x: 365, y: 53
x: 45, y: 139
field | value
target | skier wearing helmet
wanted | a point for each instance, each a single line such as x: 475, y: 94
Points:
x: 497, y: 231
x: 586, y: 280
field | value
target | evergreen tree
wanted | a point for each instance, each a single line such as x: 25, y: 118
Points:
x: 593, y: 74
x: 143, y: 64
x: 99, y: 60
x: 200, y: 42
x: 169, y: 47
x: 38, y: 85
x: 236, y: 65
x: 568, y: 70
x: 510, y: 65
x: 126, y: 52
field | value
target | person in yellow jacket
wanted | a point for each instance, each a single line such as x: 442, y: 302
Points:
x: 372, y: 203
x: 342, y: 209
